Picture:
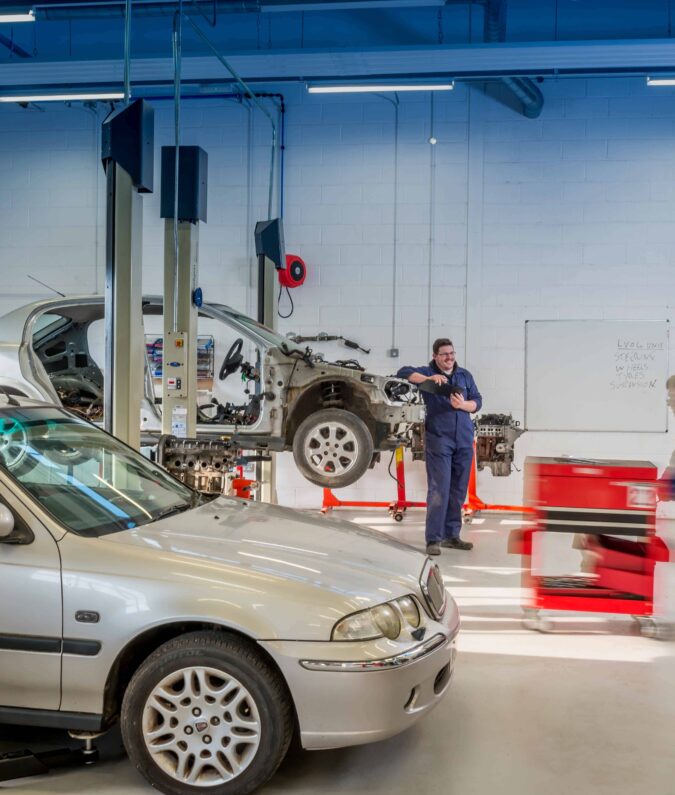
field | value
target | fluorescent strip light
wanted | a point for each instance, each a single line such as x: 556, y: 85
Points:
x: 29, y: 17
x: 661, y: 81
x: 62, y: 97
x: 378, y: 88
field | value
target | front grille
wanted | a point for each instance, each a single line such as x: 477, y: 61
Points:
x: 433, y: 589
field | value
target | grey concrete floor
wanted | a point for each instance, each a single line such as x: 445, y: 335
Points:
x: 587, y: 708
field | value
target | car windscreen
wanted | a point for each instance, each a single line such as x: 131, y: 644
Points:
x: 91, y: 483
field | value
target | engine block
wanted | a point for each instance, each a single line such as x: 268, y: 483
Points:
x: 495, y: 438
x: 199, y: 463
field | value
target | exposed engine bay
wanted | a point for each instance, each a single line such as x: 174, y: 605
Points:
x: 495, y: 438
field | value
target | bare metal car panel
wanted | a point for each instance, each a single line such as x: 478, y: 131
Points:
x: 291, y: 384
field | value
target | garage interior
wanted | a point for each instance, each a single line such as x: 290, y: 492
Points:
x: 492, y: 172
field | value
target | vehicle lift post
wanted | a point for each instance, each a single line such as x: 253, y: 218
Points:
x: 182, y: 296
x: 127, y: 156
x: 270, y: 250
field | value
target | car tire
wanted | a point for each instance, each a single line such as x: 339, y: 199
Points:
x: 205, y: 713
x: 332, y: 448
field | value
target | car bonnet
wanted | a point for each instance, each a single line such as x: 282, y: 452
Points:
x: 286, y: 544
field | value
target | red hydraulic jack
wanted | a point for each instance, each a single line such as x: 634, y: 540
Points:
x: 398, y: 507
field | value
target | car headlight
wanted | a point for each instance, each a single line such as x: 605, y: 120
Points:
x: 410, y: 611
x: 382, y: 621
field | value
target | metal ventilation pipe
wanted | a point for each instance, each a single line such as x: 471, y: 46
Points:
x: 62, y: 9
x: 95, y: 9
x: 494, y: 30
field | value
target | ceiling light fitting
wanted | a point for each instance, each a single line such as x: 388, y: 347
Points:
x: 661, y: 81
x: 27, y: 17
x: 109, y: 96
x: 376, y: 88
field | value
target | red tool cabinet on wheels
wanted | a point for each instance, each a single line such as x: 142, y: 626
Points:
x: 612, y: 506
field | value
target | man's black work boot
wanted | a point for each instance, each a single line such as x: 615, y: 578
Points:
x: 456, y: 543
x: 433, y: 549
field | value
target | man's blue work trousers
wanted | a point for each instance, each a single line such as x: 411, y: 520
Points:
x: 448, y: 473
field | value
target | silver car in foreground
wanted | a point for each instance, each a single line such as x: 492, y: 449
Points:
x: 213, y: 629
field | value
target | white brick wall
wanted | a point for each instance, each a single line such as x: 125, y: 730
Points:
x: 576, y: 220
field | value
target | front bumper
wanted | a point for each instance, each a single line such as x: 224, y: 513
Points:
x: 350, y: 693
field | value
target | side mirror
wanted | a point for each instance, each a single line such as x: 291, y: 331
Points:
x: 6, y: 522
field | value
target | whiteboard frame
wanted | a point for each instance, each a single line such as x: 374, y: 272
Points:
x: 596, y: 320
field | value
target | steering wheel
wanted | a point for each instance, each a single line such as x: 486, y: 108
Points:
x: 233, y: 360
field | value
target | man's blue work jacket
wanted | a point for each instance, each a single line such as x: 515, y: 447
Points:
x: 447, y: 427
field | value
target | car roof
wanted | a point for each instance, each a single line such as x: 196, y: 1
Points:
x: 19, y: 315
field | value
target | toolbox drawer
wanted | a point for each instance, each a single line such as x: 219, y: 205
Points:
x: 625, y: 581
x: 618, y: 553
x: 592, y: 496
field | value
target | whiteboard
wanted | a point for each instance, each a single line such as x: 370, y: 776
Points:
x: 596, y: 375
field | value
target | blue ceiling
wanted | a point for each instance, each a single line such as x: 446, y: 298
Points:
x: 278, y: 40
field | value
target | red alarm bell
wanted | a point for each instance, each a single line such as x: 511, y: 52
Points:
x: 295, y: 272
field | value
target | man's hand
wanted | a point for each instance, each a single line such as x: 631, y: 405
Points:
x: 457, y: 401
x: 437, y: 378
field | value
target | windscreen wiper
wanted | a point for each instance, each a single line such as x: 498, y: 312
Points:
x: 171, y: 510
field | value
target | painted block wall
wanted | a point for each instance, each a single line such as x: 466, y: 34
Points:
x: 505, y: 219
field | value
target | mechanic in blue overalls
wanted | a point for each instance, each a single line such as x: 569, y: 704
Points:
x: 448, y: 441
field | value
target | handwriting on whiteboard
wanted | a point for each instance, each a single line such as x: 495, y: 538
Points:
x: 634, y: 364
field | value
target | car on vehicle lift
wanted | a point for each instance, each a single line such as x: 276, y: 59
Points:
x: 334, y: 416
x: 213, y: 629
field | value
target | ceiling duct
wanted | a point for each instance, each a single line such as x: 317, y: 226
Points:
x: 526, y: 91
x: 90, y: 9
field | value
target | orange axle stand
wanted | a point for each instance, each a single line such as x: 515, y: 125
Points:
x: 398, y: 507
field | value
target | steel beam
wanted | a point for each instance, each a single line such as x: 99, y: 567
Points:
x: 461, y: 62
x: 123, y: 310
